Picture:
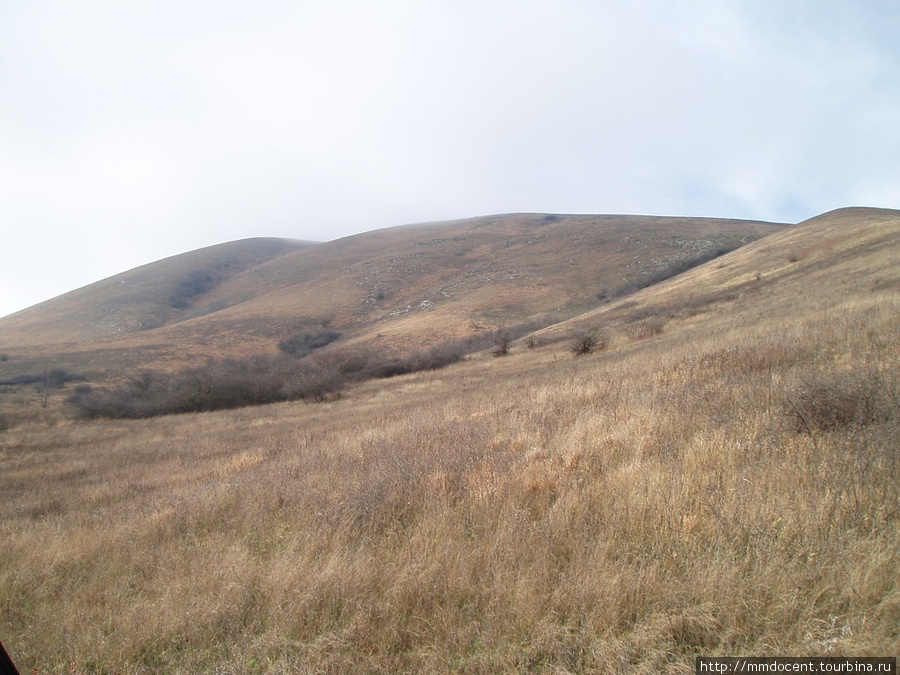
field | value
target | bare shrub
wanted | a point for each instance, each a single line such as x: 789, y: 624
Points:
x: 587, y: 343
x: 502, y: 344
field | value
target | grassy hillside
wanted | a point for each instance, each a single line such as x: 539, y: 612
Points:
x: 722, y: 479
x: 804, y: 268
x: 170, y: 290
x: 398, y: 288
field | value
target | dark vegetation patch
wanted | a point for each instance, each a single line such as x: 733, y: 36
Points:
x: 258, y: 380
x: 502, y: 344
x: 587, y: 343
x: 835, y: 401
x: 196, y: 283
x: 55, y: 378
x: 217, y: 385
x: 303, y: 344
x: 672, y: 270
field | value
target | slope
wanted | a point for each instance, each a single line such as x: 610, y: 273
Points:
x: 170, y: 290
x: 726, y: 485
x: 851, y: 252
x: 397, y: 288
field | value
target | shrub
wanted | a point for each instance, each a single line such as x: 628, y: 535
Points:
x: 502, y: 344
x: 55, y: 378
x: 584, y: 344
x: 234, y: 383
x: 303, y: 344
x: 377, y: 365
x: 218, y: 385
x: 21, y: 379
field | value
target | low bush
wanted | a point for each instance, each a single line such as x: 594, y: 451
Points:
x: 587, y: 343
x: 502, y: 344
x: 370, y: 364
x: 218, y: 385
x: 303, y: 344
x: 235, y: 383
x: 55, y: 378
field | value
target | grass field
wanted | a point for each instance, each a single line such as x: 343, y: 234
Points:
x: 725, y: 483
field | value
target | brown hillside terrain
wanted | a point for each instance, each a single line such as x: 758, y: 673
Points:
x: 811, y: 266
x: 722, y: 479
x: 399, y: 288
x: 144, y: 298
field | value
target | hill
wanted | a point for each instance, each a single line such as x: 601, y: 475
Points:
x: 168, y: 291
x: 850, y: 252
x: 397, y: 288
x: 719, y: 477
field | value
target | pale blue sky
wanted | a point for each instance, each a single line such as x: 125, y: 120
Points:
x: 131, y: 131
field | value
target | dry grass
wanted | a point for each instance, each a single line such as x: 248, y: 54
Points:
x: 619, y: 512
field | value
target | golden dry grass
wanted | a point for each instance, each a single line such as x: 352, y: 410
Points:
x: 620, y: 512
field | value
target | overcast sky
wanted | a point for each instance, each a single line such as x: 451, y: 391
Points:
x: 137, y: 129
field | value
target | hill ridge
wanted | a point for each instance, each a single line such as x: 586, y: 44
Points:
x: 396, y: 288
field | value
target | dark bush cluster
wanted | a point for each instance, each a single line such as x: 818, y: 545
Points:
x: 234, y: 383
x: 367, y: 364
x: 55, y: 378
x: 303, y: 344
x: 587, y: 343
x: 229, y: 383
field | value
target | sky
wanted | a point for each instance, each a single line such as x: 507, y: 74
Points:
x: 138, y: 129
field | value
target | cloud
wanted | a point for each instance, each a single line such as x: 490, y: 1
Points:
x: 132, y: 131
